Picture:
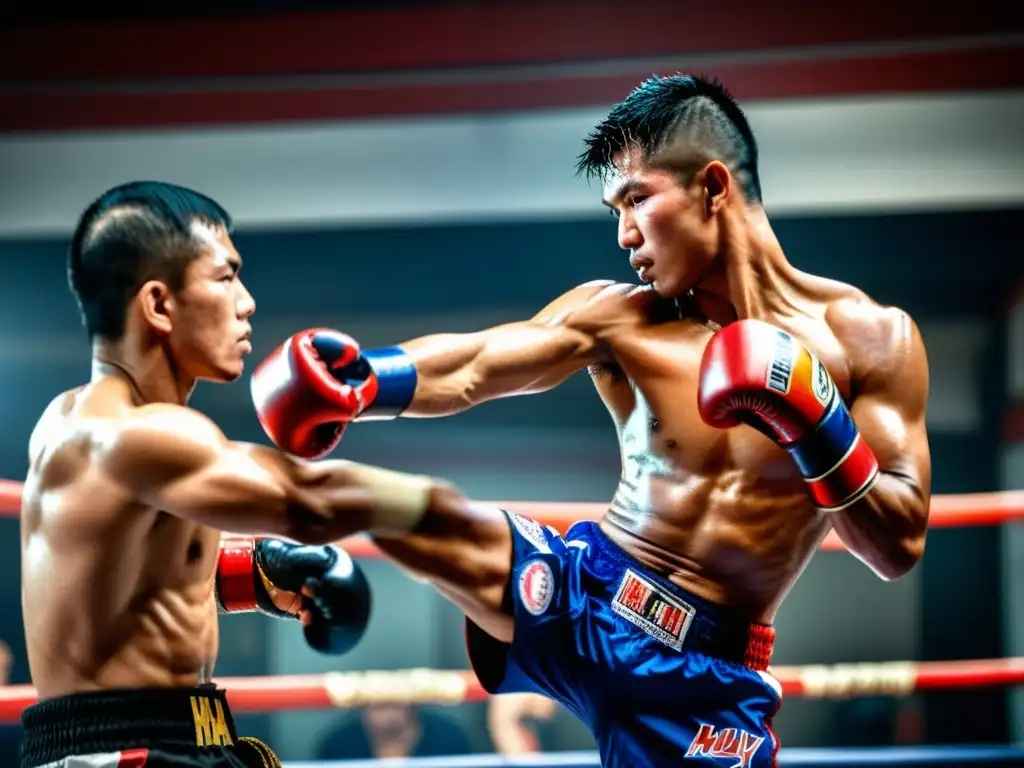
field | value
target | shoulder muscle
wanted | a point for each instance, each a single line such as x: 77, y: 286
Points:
x: 598, y: 307
x: 41, y: 433
x: 157, y: 445
x: 883, y: 345
x: 572, y: 299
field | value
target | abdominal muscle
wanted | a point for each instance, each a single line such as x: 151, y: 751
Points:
x: 730, y: 539
x: 121, y: 617
x: 163, y: 640
x: 174, y: 644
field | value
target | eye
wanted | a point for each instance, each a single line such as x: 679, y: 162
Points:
x: 635, y: 200
x: 613, y: 213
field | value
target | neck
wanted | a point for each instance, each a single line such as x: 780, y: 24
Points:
x: 148, y: 370
x: 753, y: 278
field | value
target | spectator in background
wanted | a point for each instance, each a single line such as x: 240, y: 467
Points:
x: 394, y: 730
x: 508, y: 722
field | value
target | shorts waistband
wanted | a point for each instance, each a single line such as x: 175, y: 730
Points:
x: 678, y: 617
x: 115, y: 720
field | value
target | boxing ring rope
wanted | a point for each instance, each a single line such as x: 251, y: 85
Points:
x: 279, y: 693
x: 947, y: 511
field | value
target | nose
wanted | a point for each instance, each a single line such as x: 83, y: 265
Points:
x: 246, y: 303
x: 629, y: 236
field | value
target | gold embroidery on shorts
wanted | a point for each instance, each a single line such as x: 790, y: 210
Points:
x: 211, y: 725
x: 265, y: 753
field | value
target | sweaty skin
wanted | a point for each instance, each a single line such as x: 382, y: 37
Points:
x: 723, y: 513
x: 114, y: 593
x: 122, y: 514
x: 128, y: 491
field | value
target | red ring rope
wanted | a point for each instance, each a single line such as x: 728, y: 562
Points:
x: 279, y: 693
x: 947, y: 511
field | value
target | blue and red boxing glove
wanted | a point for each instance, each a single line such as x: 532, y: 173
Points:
x: 317, y: 382
x: 754, y: 373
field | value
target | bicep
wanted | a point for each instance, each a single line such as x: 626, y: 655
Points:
x: 456, y: 371
x: 238, y: 489
x: 536, y: 355
x: 179, y: 462
x: 561, y: 339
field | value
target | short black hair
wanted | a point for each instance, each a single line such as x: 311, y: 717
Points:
x: 132, y: 233
x: 664, y: 112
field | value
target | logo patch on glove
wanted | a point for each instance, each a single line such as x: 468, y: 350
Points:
x: 822, y: 383
x: 536, y: 586
x: 780, y: 370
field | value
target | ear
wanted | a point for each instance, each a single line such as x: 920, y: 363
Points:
x: 717, y: 187
x: 156, y: 302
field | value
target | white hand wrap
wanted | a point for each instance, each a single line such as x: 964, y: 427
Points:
x: 400, y: 499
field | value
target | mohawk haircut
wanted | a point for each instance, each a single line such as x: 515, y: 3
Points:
x: 680, y: 122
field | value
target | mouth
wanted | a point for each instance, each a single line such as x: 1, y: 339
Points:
x: 642, y: 266
x: 245, y: 343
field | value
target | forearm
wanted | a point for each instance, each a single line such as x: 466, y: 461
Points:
x: 448, y: 371
x: 313, y: 502
x: 886, y: 528
x: 456, y: 371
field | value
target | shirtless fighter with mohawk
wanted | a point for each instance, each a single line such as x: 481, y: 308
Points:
x: 757, y: 408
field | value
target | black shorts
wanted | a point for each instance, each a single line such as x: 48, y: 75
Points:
x: 139, y: 728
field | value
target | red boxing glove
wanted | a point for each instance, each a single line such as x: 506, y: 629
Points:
x: 301, y: 403
x: 312, y: 386
x: 757, y: 374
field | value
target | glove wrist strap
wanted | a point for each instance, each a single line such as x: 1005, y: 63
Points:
x: 235, y: 584
x: 396, y: 380
x: 838, y: 465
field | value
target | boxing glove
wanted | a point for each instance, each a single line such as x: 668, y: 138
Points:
x: 309, y: 389
x: 251, y: 572
x: 754, y: 373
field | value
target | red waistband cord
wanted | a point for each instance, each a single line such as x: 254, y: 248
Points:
x: 759, y: 647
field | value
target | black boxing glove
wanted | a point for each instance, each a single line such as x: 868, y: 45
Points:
x: 251, y: 571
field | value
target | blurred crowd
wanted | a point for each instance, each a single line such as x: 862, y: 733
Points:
x: 515, y: 726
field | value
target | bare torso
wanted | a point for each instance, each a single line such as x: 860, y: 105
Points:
x: 724, y: 513
x: 114, y: 594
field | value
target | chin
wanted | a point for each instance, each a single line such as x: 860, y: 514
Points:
x: 668, y: 289
x: 227, y: 374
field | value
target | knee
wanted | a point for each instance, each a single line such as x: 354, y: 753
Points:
x: 479, y: 543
